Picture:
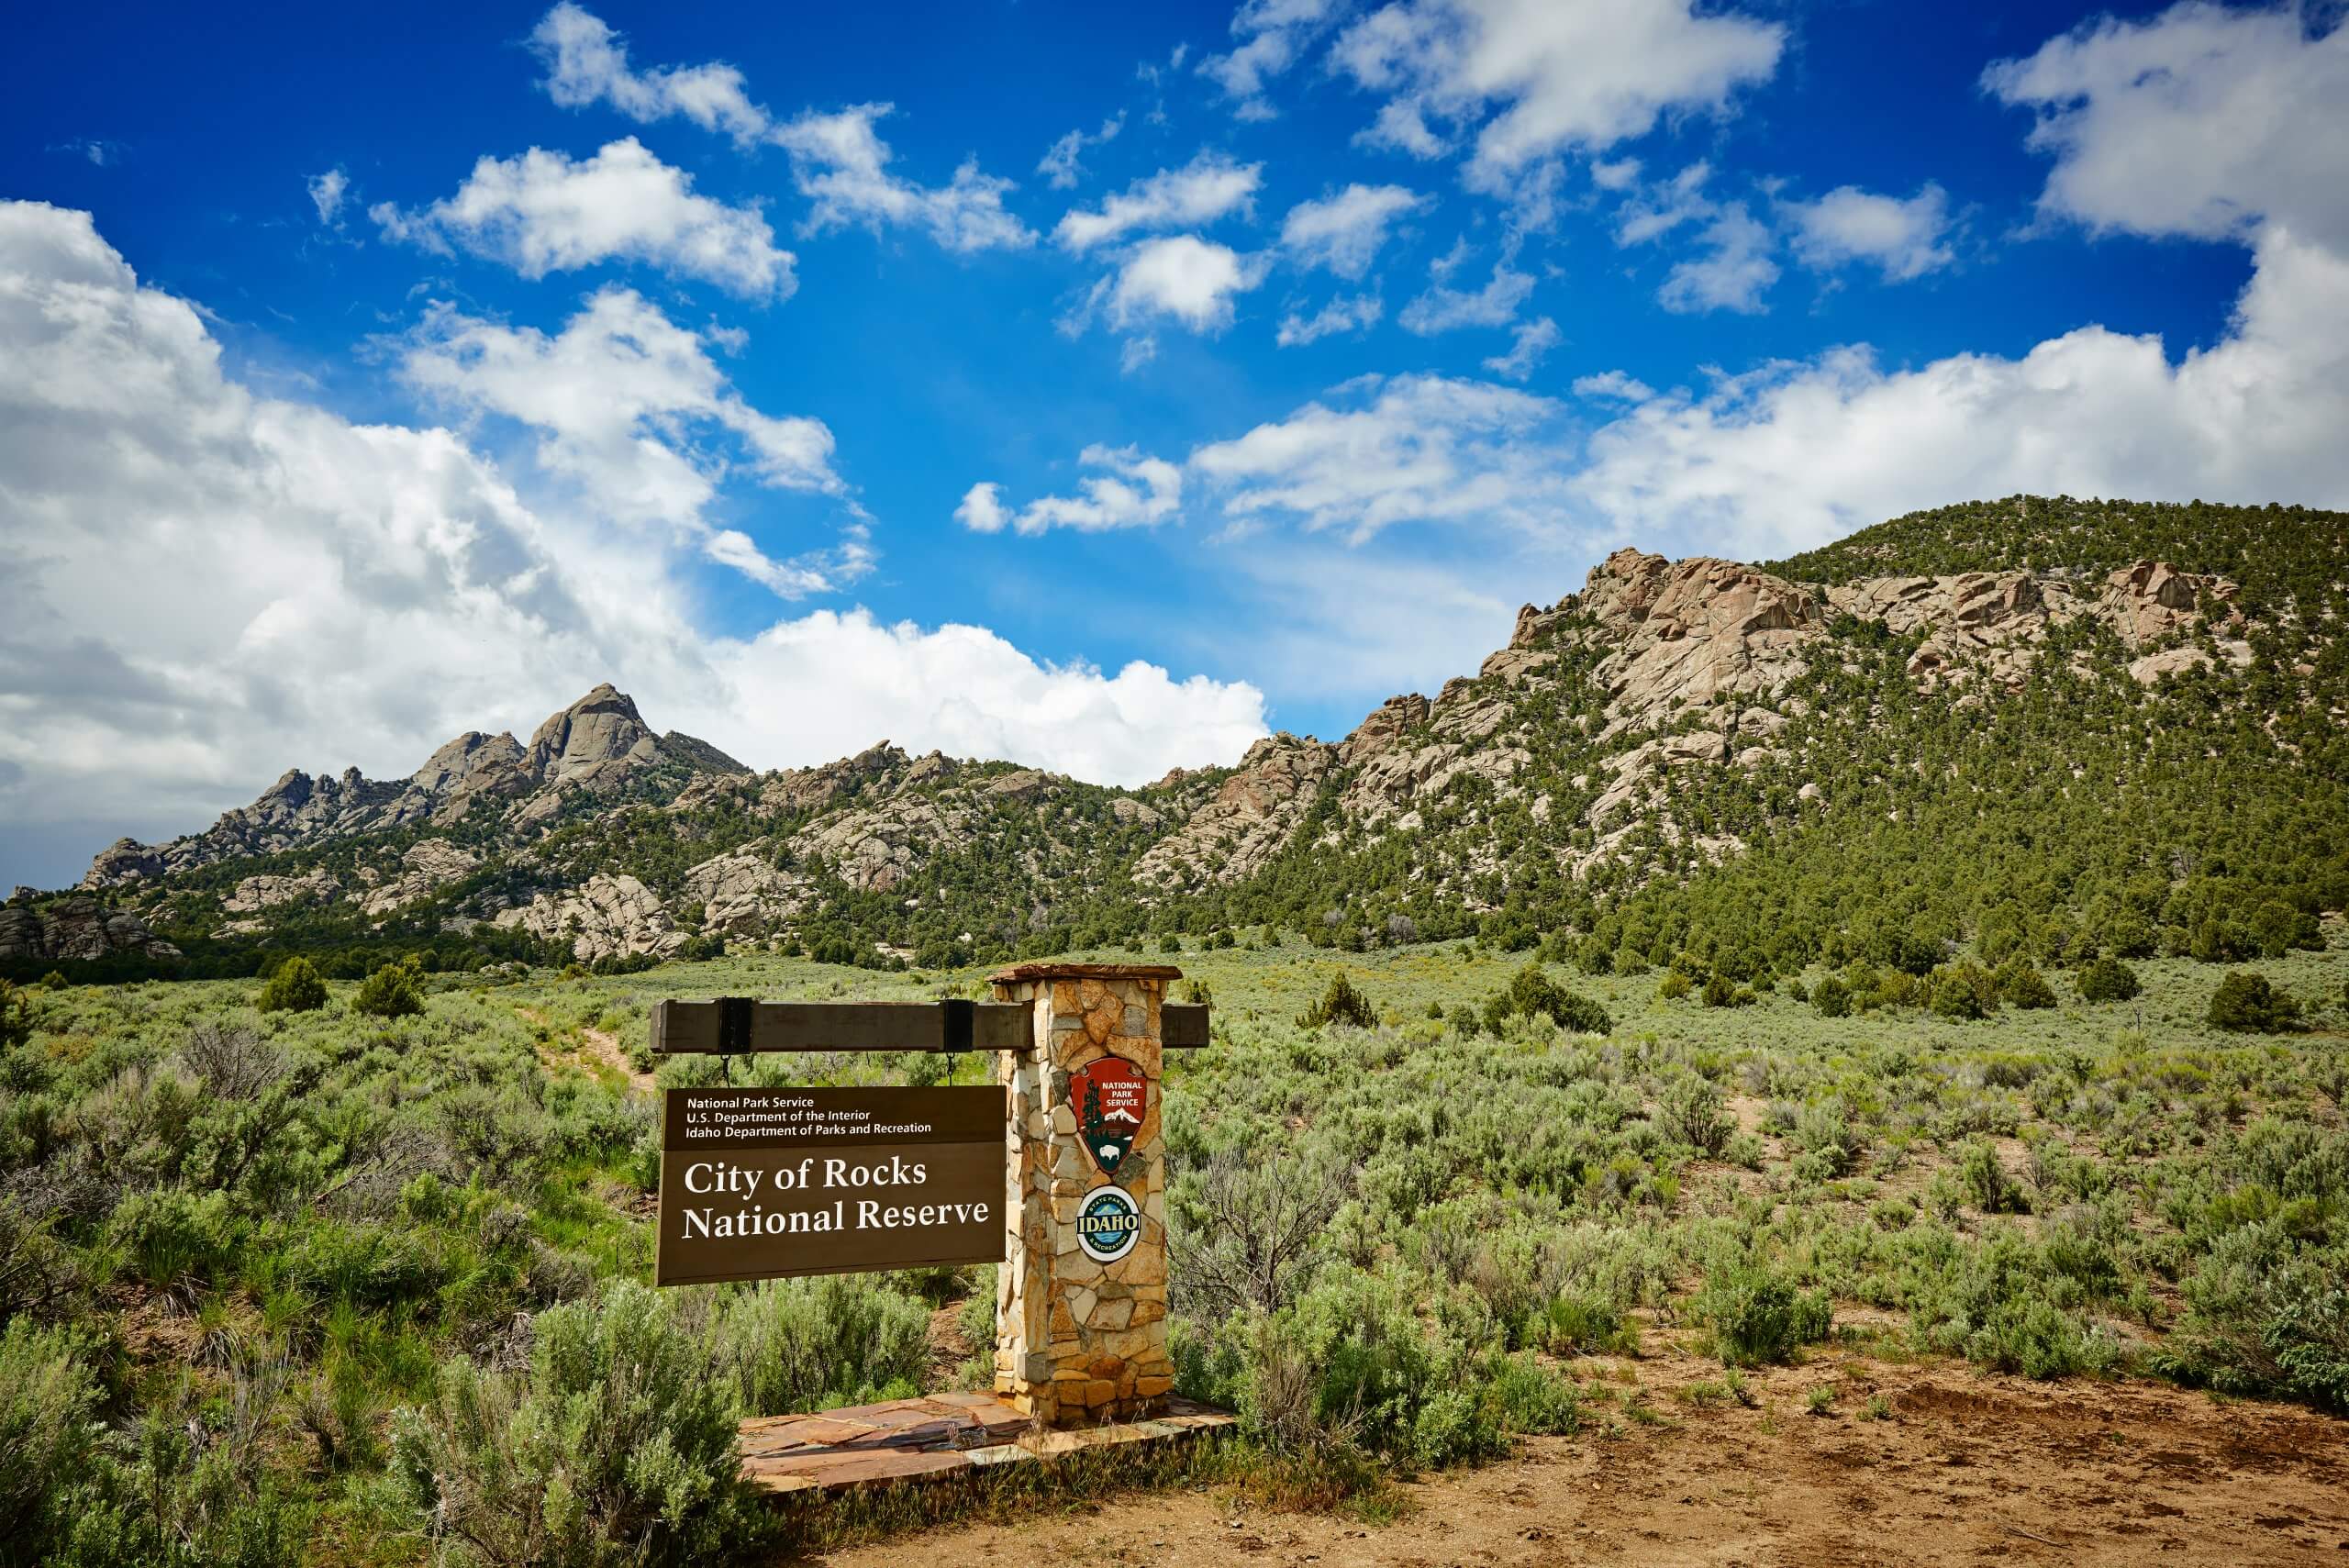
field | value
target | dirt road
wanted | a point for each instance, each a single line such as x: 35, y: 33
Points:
x: 1960, y: 1468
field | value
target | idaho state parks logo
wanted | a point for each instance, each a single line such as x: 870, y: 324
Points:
x: 1111, y: 1098
x: 1108, y: 1223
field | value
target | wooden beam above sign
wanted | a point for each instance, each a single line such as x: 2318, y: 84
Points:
x: 739, y: 1026
x: 742, y: 1025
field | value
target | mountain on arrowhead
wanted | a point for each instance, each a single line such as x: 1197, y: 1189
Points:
x: 2043, y: 726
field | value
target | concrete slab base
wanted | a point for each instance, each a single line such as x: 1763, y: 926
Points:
x: 936, y: 1435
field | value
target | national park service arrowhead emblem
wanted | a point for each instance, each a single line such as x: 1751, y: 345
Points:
x: 1111, y: 1098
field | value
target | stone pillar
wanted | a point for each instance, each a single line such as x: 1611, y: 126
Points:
x: 1078, y: 1339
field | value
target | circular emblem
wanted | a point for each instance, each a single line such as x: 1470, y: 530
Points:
x: 1109, y: 1224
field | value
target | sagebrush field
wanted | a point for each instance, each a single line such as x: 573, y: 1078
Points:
x: 321, y: 1285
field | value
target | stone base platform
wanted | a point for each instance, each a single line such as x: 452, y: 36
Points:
x: 932, y: 1437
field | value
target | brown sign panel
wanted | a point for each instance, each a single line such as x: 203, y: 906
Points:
x: 770, y: 1183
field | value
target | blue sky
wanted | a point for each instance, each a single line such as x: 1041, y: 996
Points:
x: 1095, y: 385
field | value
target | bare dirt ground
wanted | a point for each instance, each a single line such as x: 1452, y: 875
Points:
x: 597, y: 1049
x: 1962, y: 1468
x: 601, y: 1047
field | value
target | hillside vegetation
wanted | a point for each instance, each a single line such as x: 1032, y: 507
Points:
x: 2051, y: 729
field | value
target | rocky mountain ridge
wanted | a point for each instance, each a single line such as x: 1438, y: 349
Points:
x: 597, y: 746
x: 1597, y: 747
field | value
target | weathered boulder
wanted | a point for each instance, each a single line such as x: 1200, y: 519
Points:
x: 255, y: 893
x: 1533, y: 624
x: 123, y: 861
x: 2152, y: 599
x: 597, y: 738
x: 472, y: 767
x: 1237, y: 830
x: 76, y: 926
x: 935, y: 767
x: 432, y: 863
x: 604, y: 916
x: 2150, y: 667
x: 876, y: 848
x: 1684, y: 631
x: 741, y: 894
x: 1027, y: 785
x: 1383, y: 728
x: 1126, y: 810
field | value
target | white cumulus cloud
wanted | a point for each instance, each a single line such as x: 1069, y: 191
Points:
x: 544, y: 212
x: 1790, y: 456
x: 1734, y: 262
x: 1398, y: 449
x: 1138, y: 491
x: 838, y: 160
x: 1271, y: 34
x: 1060, y: 166
x: 2202, y: 121
x: 1443, y: 309
x: 2199, y: 122
x: 200, y: 585
x: 1203, y: 190
x: 626, y: 404
x: 1182, y: 278
x: 327, y: 192
x: 1562, y: 75
x: 587, y: 63
x: 832, y: 684
x: 1534, y: 340
x: 840, y: 163
x: 1346, y: 313
x: 1904, y: 237
x: 1344, y: 232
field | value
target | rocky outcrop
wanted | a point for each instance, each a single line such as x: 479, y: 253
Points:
x: 1682, y: 633
x: 124, y: 861
x: 76, y: 926
x: 698, y: 754
x: 2153, y: 600
x: 875, y: 849
x: 1634, y: 769
x: 597, y: 744
x: 298, y: 810
x: 432, y: 863
x: 1383, y: 730
x: 1975, y: 621
x: 596, y: 739
x: 258, y: 893
x: 1994, y: 622
x: 1250, y: 816
x: 797, y: 791
x: 472, y: 767
x: 1128, y: 811
x: 2150, y: 667
x: 743, y: 894
x: 1028, y: 785
x: 605, y: 916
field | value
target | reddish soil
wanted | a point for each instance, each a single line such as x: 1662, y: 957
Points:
x: 1964, y: 1468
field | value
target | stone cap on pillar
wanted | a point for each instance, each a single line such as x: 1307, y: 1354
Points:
x: 1053, y: 969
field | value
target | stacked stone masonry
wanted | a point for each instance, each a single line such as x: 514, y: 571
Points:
x: 1078, y: 1340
